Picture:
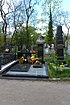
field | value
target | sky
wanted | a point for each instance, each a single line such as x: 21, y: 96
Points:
x: 66, y: 5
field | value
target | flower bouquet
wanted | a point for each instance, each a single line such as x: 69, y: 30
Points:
x: 37, y: 64
x: 22, y: 59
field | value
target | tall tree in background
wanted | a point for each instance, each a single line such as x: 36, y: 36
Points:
x: 50, y: 29
x: 51, y: 16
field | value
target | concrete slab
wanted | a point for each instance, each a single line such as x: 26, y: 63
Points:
x: 41, y: 72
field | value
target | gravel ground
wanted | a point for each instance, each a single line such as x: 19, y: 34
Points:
x: 24, y: 92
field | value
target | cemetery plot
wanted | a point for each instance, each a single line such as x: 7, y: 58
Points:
x: 29, y: 63
x: 26, y: 70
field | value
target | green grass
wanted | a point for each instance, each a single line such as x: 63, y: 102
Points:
x: 57, y: 73
x: 68, y: 60
x: 54, y: 67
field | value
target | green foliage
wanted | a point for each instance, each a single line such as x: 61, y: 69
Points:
x: 34, y: 38
x: 50, y: 29
x: 54, y: 67
x: 54, y: 73
x: 0, y: 30
x: 31, y: 31
x: 33, y: 35
x: 51, y: 58
x: 68, y: 60
x: 55, y: 9
x: 20, y: 37
x: 1, y: 39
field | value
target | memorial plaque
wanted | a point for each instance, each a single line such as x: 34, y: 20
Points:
x: 60, y: 46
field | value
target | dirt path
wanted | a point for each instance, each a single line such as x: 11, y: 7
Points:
x: 19, y: 92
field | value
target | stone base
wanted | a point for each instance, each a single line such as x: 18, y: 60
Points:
x: 37, y: 65
x: 62, y: 61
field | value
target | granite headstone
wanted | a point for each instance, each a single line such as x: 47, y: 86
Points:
x: 59, y: 44
x: 40, y: 43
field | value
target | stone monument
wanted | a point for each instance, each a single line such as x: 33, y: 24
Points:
x: 0, y: 62
x: 40, y: 43
x: 59, y: 46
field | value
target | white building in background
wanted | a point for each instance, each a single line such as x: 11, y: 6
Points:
x: 47, y: 50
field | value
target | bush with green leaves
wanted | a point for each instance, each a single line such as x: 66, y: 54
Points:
x: 68, y: 61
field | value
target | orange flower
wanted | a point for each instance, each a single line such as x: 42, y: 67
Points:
x: 21, y: 60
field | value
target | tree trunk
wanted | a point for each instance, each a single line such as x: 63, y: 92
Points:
x: 27, y: 35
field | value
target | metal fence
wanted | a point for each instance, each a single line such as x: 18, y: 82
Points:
x: 6, y: 58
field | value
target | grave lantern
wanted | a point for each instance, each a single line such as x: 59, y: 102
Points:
x: 40, y: 43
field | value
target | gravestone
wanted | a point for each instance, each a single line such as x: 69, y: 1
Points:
x: 40, y: 43
x: 59, y: 46
x: 0, y: 62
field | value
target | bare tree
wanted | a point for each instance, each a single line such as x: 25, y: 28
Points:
x: 29, y: 9
x: 4, y: 18
x: 15, y: 17
x: 16, y: 13
x: 66, y: 17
